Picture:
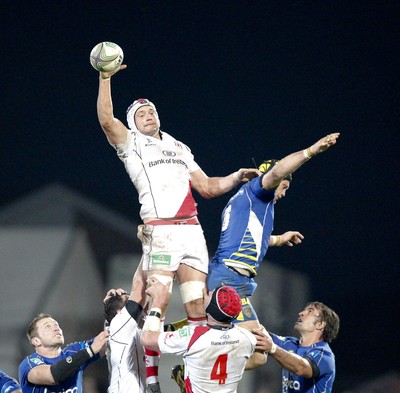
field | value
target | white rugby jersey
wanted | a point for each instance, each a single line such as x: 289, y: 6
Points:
x: 125, y: 356
x: 160, y: 171
x: 214, y: 358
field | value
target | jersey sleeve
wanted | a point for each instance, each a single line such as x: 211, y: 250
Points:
x: 255, y: 186
x: 189, y: 158
x: 324, y: 360
x: 134, y: 309
x: 122, y: 325
x: 175, y: 342
x: 7, y: 383
x: 27, y: 365
x: 75, y: 347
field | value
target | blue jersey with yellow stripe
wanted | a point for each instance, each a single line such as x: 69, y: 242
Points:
x: 247, y: 224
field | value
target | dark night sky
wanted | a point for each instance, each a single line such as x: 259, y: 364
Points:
x: 234, y: 80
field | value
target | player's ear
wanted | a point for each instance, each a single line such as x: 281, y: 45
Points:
x: 35, y: 341
x: 321, y: 325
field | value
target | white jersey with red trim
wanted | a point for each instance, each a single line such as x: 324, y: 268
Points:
x: 125, y: 355
x: 160, y: 170
x: 214, y: 357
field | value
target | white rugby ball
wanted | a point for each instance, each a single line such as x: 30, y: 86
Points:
x: 106, y: 57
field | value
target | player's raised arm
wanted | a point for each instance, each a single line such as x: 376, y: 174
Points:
x: 294, y: 161
x: 210, y: 187
x: 106, y: 57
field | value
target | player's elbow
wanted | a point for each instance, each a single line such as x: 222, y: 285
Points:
x: 303, y: 370
x: 208, y: 195
x: 256, y: 360
x: 148, y: 341
x: 206, y: 191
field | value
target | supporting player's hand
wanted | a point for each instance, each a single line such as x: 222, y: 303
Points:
x: 264, y: 340
x: 100, y: 341
x: 262, y: 343
x: 140, y: 232
x: 159, y: 292
x: 114, y: 292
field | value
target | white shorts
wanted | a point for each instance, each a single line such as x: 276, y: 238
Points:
x: 165, y: 247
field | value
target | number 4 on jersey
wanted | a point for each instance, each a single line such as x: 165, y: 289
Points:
x: 218, y: 371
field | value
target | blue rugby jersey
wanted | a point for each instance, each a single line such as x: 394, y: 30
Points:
x: 247, y: 224
x: 72, y: 384
x: 321, y: 354
x: 7, y: 383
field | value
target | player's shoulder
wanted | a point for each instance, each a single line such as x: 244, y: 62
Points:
x: 322, y: 346
x: 32, y: 360
x: 242, y: 331
x: 287, y: 342
x: 169, y: 138
x: 74, y: 347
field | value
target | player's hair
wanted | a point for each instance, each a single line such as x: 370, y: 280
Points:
x: 331, y: 319
x: 267, y: 165
x: 112, y: 305
x: 32, y: 328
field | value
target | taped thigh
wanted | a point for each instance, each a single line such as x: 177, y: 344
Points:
x: 191, y: 290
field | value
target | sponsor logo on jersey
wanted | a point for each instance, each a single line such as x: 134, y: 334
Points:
x: 247, y: 310
x: 169, y: 153
x: 37, y: 361
x: 161, y: 259
x: 289, y: 384
x: 73, y: 390
x: 226, y: 342
x: 167, y: 161
x: 166, y: 338
x: 149, y: 143
x: 184, y: 332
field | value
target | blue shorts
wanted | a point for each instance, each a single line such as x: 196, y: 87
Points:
x: 219, y: 274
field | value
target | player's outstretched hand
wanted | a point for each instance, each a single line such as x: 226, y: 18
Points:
x: 290, y: 238
x: 108, y: 75
x: 324, y: 143
x: 246, y: 174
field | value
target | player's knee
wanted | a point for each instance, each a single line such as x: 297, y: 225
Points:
x: 192, y: 291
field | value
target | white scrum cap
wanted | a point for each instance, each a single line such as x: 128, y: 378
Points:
x: 133, y: 108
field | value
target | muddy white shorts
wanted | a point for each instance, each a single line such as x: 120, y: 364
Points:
x: 165, y: 247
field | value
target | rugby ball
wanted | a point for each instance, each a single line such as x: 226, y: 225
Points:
x: 106, y: 57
